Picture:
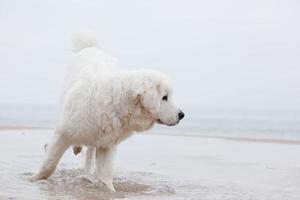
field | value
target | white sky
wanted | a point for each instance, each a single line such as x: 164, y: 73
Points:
x: 220, y: 54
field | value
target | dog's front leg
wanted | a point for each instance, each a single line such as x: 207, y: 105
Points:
x: 104, y: 165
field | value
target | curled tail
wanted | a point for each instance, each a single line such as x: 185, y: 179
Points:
x: 84, y: 39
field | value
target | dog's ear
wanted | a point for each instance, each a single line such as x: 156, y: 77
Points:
x: 149, y: 97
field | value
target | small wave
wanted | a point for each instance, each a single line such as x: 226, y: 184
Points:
x: 76, y: 184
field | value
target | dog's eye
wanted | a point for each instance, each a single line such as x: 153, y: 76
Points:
x: 165, y: 98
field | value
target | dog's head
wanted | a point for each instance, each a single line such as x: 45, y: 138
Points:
x: 154, y: 98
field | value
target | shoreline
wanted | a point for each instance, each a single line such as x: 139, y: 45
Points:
x: 238, y: 139
x: 263, y: 140
x: 2, y: 128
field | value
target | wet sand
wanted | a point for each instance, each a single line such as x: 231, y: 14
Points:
x: 156, y: 167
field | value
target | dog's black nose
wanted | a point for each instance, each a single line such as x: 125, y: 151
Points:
x: 180, y: 115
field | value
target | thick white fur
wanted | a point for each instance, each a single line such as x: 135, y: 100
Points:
x: 102, y: 106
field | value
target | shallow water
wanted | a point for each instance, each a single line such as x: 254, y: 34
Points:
x: 179, y: 168
x: 22, y: 153
x: 74, y: 184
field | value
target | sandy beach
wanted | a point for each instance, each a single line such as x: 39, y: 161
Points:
x: 156, y: 167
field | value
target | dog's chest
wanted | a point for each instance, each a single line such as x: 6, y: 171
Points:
x: 109, y: 137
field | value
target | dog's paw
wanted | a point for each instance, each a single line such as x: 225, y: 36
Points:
x: 109, y: 184
x: 33, y: 178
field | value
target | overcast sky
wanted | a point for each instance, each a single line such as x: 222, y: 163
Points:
x: 220, y: 54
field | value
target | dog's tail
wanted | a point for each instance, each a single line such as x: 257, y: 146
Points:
x: 84, y: 39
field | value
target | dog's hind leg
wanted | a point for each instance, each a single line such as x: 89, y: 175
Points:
x: 89, y: 164
x: 55, y: 150
x: 104, y: 166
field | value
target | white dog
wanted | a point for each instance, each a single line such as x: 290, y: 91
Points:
x: 102, y: 107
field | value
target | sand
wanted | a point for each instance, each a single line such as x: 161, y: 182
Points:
x: 156, y: 167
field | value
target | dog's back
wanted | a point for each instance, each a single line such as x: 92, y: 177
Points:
x: 89, y: 59
x: 88, y: 62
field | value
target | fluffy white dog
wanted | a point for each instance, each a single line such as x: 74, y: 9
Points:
x: 102, y: 107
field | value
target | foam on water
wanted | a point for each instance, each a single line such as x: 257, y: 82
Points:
x: 75, y: 184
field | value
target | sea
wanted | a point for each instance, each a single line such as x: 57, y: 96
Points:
x: 198, y: 122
